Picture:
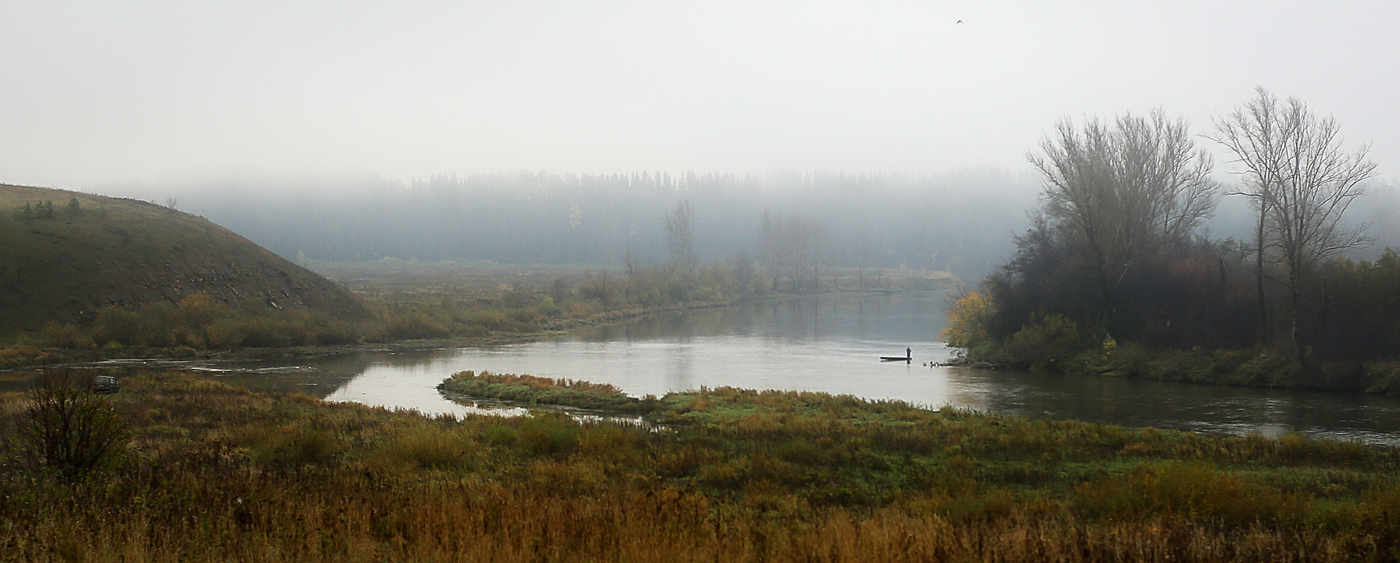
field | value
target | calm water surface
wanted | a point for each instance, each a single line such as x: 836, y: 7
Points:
x: 827, y: 343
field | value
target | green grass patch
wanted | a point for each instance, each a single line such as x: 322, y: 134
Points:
x: 533, y: 390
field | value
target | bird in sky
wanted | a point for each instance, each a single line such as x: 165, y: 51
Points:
x: 959, y: 21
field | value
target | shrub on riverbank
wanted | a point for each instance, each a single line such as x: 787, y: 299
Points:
x: 412, y: 310
x: 1251, y: 367
x: 1056, y: 343
x: 199, y: 322
x: 217, y: 473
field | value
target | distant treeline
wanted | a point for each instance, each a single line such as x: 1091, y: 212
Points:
x: 960, y: 222
x: 956, y: 222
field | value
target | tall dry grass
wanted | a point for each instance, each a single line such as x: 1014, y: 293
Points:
x: 499, y: 522
x: 216, y: 473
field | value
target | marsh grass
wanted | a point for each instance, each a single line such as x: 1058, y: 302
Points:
x: 217, y: 473
x: 533, y: 390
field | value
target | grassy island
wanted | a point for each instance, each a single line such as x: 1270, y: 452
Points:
x: 209, y: 472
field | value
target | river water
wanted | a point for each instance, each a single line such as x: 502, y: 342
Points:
x: 830, y: 343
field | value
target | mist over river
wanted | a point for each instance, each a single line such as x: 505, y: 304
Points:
x: 829, y: 343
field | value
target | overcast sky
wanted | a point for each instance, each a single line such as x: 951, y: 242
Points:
x: 103, y: 91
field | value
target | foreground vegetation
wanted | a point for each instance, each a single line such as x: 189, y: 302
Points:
x: 214, y: 473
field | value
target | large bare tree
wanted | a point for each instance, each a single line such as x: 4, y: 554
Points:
x: 1302, y: 181
x: 1125, y: 189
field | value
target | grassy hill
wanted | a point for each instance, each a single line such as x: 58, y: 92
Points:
x: 64, y: 255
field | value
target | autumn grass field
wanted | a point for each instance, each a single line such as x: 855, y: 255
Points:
x: 216, y: 473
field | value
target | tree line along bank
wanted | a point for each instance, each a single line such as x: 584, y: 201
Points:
x: 1114, y: 277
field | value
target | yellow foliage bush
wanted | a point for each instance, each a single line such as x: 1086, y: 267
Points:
x: 967, y: 320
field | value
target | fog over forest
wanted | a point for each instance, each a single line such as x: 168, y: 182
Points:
x: 325, y: 131
x: 962, y: 222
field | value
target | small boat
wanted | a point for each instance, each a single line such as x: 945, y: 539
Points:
x: 908, y: 357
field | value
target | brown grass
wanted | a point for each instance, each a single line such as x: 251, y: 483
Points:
x: 215, y: 473
x: 496, y: 522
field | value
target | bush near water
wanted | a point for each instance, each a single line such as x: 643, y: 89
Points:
x: 1183, y: 324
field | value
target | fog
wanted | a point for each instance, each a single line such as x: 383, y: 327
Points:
x: 168, y: 92
x: 961, y: 222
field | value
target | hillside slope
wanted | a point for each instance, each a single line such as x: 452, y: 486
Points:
x: 62, y: 262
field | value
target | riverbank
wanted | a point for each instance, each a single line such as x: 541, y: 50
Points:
x: 217, y: 473
x: 413, y: 309
x: 1253, y: 367
x: 35, y: 354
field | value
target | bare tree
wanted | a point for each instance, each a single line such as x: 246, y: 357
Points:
x: 1248, y: 132
x: 68, y: 427
x: 1125, y: 190
x: 680, y: 234
x: 1302, y: 182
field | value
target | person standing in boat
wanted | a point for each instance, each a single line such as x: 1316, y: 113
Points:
x: 909, y: 353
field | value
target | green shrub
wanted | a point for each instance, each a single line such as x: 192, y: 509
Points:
x: 500, y: 434
x: 415, y: 326
x: 1188, y: 490
x: 115, y: 324
x: 1046, y: 340
x: 333, y: 331
x: 1267, y: 369
x: 549, y: 434
x: 983, y: 506
x: 291, y: 448
x: 428, y: 448
x: 225, y: 333
x: 1383, y: 377
x: 67, y: 335
x: 267, y: 332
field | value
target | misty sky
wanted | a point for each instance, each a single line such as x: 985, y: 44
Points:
x: 105, y: 91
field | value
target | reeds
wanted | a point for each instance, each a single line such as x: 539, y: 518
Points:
x: 215, y: 473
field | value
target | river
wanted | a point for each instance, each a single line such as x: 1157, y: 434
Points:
x: 829, y: 343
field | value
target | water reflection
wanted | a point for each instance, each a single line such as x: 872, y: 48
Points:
x: 1204, y: 408
x: 828, y: 343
